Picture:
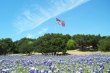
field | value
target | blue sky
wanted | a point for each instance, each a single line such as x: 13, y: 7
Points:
x: 34, y: 18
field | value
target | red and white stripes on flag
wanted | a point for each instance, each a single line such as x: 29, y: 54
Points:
x: 60, y: 22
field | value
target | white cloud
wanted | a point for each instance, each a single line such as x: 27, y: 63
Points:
x: 35, y: 16
x: 29, y: 36
x: 42, y: 31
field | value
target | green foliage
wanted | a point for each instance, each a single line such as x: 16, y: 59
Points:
x: 54, y: 43
x: 51, y: 43
x: 71, y: 44
x: 25, y: 45
x: 64, y: 51
x: 86, y: 42
x: 6, y: 46
x: 104, y: 44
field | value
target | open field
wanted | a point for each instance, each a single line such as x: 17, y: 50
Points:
x: 77, y: 62
x: 76, y: 52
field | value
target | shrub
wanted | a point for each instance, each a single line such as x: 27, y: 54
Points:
x: 104, y: 45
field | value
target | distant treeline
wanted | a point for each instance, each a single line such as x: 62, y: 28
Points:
x: 55, y: 43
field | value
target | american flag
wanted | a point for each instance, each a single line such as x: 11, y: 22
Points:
x: 60, y: 22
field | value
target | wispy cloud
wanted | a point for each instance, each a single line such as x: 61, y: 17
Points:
x: 35, y: 16
x: 42, y: 31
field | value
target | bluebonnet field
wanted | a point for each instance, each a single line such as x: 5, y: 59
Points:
x: 92, y: 63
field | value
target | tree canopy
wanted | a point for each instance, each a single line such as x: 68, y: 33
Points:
x: 71, y: 44
x: 104, y: 44
x: 55, y: 43
x: 51, y: 43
